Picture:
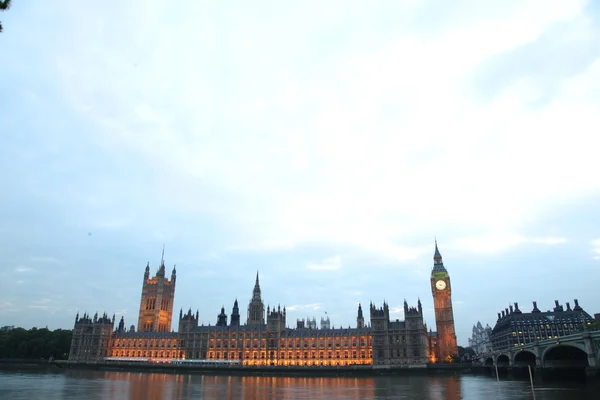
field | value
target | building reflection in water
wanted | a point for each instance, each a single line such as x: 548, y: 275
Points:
x: 285, y: 388
x: 446, y: 388
x: 156, y: 386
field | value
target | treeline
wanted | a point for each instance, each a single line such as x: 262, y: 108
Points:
x: 35, y: 343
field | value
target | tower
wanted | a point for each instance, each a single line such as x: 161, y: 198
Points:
x: 222, y: 318
x: 360, y: 320
x: 442, y: 304
x: 256, y: 308
x: 235, y: 314
x: 276, y: 319
x: 156, y: 305
x: 380, y: 321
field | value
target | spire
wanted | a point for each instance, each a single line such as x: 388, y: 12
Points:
x: 256, y: 291
x: 162, y: 257
x: 438, y: 265
x: 437, y: 257
x: 147, y: 271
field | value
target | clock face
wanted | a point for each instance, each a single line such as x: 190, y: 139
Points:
x: 440, y: 285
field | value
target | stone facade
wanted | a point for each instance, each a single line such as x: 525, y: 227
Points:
x: 260, y: 341
x: 91, y: 339
x: 480, y: 341
x: 515, y: 328
x: 156, y: 305
x: 445, y: 337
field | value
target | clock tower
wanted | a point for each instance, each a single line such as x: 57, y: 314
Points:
x: 442, y: 304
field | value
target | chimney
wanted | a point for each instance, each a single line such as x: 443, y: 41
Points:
x: 511, y: 309
x: 568, y: 306
x: 499, y: 316
x: 502, y: 313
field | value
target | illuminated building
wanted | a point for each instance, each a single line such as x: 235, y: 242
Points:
x: 156, y: 306
x: 260, y: 341
x: 443, y: 342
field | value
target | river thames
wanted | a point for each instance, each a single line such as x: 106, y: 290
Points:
x: 92, y: 385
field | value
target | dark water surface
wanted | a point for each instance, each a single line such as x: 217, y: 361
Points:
x: 92, y: 385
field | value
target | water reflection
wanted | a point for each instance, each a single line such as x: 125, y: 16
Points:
x: 92, y: 385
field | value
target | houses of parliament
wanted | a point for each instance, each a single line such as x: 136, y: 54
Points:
x: 264, y: 338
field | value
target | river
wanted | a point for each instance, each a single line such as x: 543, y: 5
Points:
x: 92, y: 385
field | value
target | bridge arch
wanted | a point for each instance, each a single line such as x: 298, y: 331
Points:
x: 489, y: 361
x: 524, y: 357
x: 565, y: 355
x: 502, y: 359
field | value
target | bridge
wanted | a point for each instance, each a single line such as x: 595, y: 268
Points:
x: 580, y: 350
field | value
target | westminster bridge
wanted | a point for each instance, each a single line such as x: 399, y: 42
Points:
x: 576, y: 351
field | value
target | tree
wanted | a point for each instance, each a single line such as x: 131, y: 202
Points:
x: 4, y: 5
x: 465, y: 351
x: 35, y: 343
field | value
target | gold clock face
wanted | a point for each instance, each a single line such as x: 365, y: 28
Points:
x: 440, y: 285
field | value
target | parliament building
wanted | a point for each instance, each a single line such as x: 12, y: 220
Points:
x: 265, y: 338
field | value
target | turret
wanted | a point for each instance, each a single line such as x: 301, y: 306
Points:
x: 147, y: 272
x: 360, y: 320
x: 222, y: 318
x: 235, y: 314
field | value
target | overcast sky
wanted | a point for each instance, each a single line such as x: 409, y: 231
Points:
x: 324, y: 144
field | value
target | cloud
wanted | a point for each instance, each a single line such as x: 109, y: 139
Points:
x: 293, y: 177
x: 22, y: 269
x: 328, y: 264
x: 596, y: 248
x: 305, y: 307
x: 361, y: 131
x: 499, y: 242
x: 45, y: 259
x: 8, y: 307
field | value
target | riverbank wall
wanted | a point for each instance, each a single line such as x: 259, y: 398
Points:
x: 545, y: 374
x: 431, y: 369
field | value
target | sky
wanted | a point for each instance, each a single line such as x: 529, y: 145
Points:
x: 323, y: 144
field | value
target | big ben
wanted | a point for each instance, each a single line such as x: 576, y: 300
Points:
x: 442, y: 304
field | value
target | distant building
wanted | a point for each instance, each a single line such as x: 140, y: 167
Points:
x: 262, y: 341
x: 7, y: 328
x: 480, y: 342
x: 515, y: 328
